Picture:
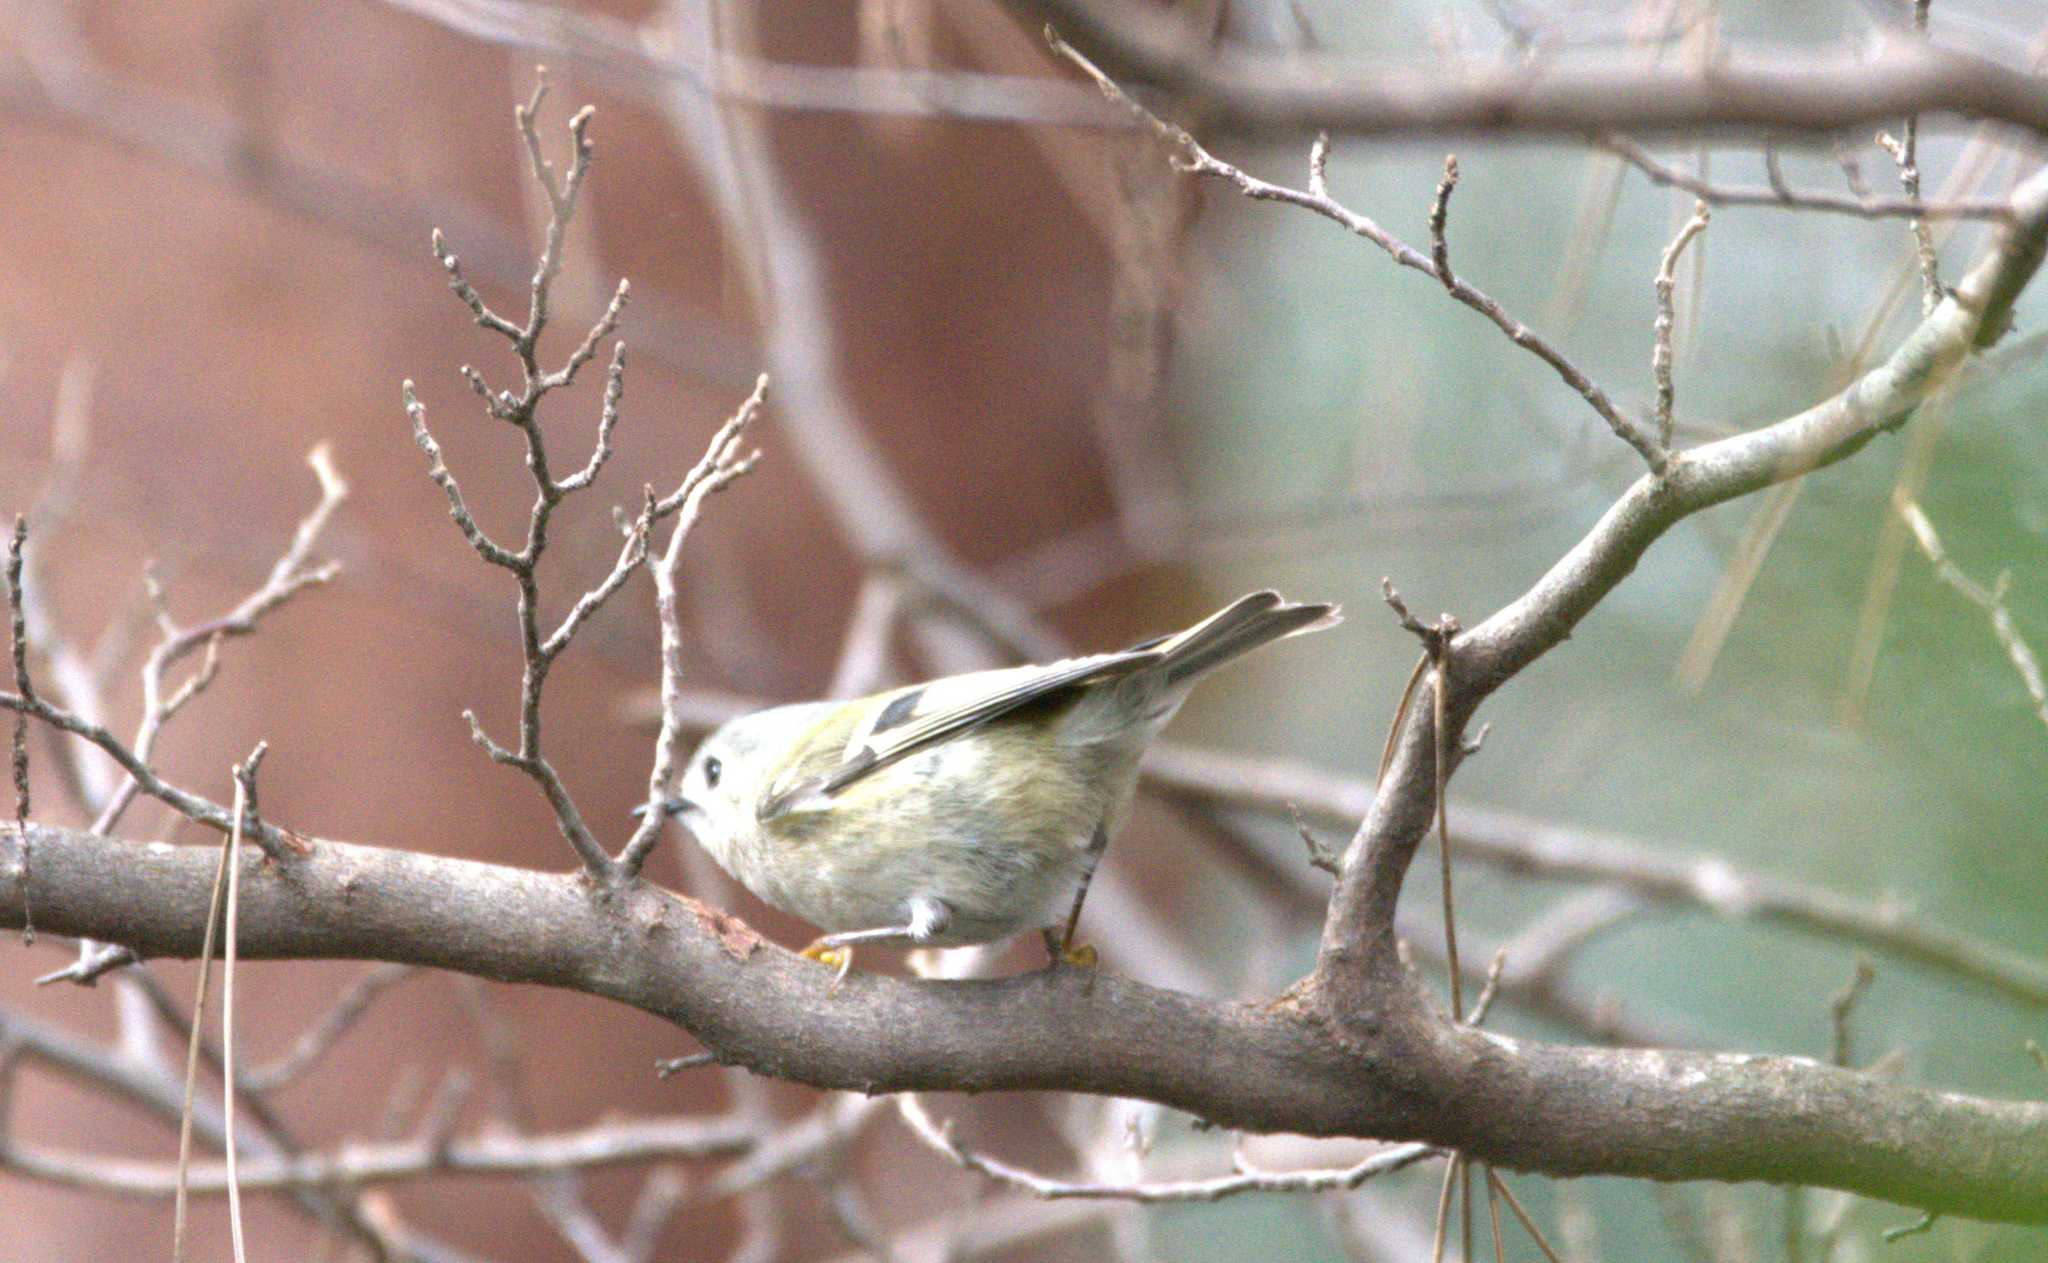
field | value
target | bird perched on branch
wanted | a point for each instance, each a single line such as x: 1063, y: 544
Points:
x: 962, y: 810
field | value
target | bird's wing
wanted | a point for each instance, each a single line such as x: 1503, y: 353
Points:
x: 924, y: 715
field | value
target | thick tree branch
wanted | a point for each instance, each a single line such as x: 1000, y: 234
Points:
x: 1285, y: 1066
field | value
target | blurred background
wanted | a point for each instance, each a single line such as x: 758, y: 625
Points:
x: 1021, y: 361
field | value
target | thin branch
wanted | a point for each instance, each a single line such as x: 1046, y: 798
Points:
x: 612, y: 1143
x: 1320, y: 853
x: 485, y: 547
x: 939, y: 1137
x: 1842, y: 1006
x: 1904, y: 153
x: 1661, y: 356
x: 1909, y: 179
x: 192, y: 806
x: 1493, y: 1214
x: 1191, y: 157
x: 1860, y: 203
x: 467, y: 293
x: 607, y: 417
x: 1439, y: 213
x: 289, y: 575
x: 292, y: 573
x: 321, y: 1036
x: 719, y: 466
x: 1484, y: 1004
x: 864, y: 653
x: 661, y: 1197
x: 1991, y: 600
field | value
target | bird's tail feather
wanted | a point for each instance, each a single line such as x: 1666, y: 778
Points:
x: 1238, y: 628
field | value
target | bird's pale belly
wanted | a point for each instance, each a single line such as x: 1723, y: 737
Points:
x: 991, y: 891
x: 1003, y: 849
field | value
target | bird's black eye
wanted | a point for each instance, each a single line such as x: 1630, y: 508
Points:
x: 712, y: 767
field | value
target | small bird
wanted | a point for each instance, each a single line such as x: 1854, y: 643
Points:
x: 962, y: 810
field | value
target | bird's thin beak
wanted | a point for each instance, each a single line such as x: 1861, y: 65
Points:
x: 673, y: 807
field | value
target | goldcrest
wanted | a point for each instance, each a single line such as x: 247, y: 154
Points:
x: 959, y: 811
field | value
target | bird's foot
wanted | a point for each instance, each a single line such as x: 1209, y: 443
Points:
x: 1064, y: 951
x: 837, y: 958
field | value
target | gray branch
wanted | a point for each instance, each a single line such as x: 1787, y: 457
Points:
x: 1255, y: 92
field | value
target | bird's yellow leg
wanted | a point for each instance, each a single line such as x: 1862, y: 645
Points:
x: 1062, y: 946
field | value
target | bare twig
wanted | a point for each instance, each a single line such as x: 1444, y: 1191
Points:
x: 1439, y: 213
x: 1667, y: 282
x: 1842, y: 1006
x: 864, y: 654
x: 939, y: 1137
x: 612, y: 1143
x: 1991, y: 600
x: 1320, y: 853
x: 520, y: 410
x: 315, y: 1041
x: 1861, y: 203
x: 660, y: 1198
x: 95, y: 961
x: 633, y: 58
x: 1487, y: 993
x: 1465, y: 1210
x: 720, y: 465
x: 1904, y: 153
x: 1909, y: 178
x: 292, y: 573
x: 1191, y: 157
x: 193, y: 807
